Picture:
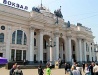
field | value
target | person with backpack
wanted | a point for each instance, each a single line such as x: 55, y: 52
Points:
x: 12, y: 69
x: 40, y: 70
x: 18, y: 71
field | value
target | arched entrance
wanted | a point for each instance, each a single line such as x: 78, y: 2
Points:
x: 61, y: 49
x: 73, y: 45
x: 46, y: 51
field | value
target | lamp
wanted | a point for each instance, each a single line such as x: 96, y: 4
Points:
x: 51, y: 45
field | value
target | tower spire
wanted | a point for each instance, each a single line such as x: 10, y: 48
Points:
x: 60, y: 7
x: 41, y: 3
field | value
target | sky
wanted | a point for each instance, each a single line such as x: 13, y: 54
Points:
x: 75, y: 11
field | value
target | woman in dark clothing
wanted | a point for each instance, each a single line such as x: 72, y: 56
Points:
x: 66, y: 67
x: 91, y: 68
x: 40, y: 70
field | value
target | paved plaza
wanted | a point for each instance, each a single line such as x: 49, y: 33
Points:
x: 4, y: 71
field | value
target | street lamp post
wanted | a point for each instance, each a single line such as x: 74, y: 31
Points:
x: 51, y: 45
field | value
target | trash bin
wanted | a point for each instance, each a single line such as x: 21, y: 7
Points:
x: 56, y: 64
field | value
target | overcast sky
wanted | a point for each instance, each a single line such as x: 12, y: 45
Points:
x: 75, y: 11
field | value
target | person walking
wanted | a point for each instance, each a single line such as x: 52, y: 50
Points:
x: 87, y: 71
x: 40, y: 70
x: 74, y: 71
x: 91, y: 68
x: 12, y: 69
x: 66, y: 67
x: 95, y: 69
x: 18, y: 71
x: 48, y: 70
x: 83, y: 66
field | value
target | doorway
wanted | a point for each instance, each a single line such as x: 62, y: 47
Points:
x: 1, y: 54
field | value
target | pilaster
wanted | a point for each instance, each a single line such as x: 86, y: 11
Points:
x: 56, y: 34
x: 80, y: 49
x: 31, y: 52
x: 84, y: 41
x: 69, y: 50
x: 40, y: 45
x: 8, y: 50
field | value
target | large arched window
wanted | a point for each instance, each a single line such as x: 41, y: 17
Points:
x: 19, y: 37
x: 1, y: 37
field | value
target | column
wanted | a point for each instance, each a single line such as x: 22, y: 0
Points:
x: 16, y: 37
x: 51, y: 54
x: 31, y: 52
x: 62, y: 52
x: 90, y: 52
x: 69, y: 49
x: 57, y: 47
x: 40, y: 46
x: 8, y: 50
x: 85, y: 59
x: 23, y: 38
x: 66, y: 49
x: 94, y: 55
x: 22, y: 56
x: 80, y: 50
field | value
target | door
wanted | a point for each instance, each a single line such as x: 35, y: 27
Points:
x: 1, y: 54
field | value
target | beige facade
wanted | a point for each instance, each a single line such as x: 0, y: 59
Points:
x: 27, y: 34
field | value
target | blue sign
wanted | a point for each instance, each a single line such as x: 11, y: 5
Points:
x: 16, y: 5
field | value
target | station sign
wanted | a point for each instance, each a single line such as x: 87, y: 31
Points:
x: 16, y: 5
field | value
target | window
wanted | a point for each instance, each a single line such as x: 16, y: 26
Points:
x: 1, y: 37
x: 24, y: 54
x: 13, y: 37
x: 34, y: 42
x: 25, y: 39
x: 18, y: 55
x: 3, y: 27
x: 12, y: 54
x: 45, y: 46
x: 19, y: 37
x: 91, y: 49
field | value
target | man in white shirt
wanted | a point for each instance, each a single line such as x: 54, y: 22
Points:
x: 95, y: 69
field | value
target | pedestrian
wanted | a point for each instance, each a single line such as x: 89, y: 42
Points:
x: 24, y: 61
x: 18, y: 71
x: 12, y: 69
x: 91, y: 68
x: 66, y: 67
x: 83, y: 65
x: 48, y: 70
x: 95, y: 69
x: 74, y: 71
x: 40, y: 70
x: 87, y: 71
x: 79, y: 68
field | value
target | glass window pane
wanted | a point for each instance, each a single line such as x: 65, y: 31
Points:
x: 19, y: 36
x: 18, y: 55
x: 13, y: 37
x: 25, y: 39
x: 24, y: 54
x: 12, y: 54
x: 1, y: 37
x: 34, y: 42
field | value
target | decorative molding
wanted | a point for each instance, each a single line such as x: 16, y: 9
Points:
x: 56, y: 34
x: 32, y: 28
